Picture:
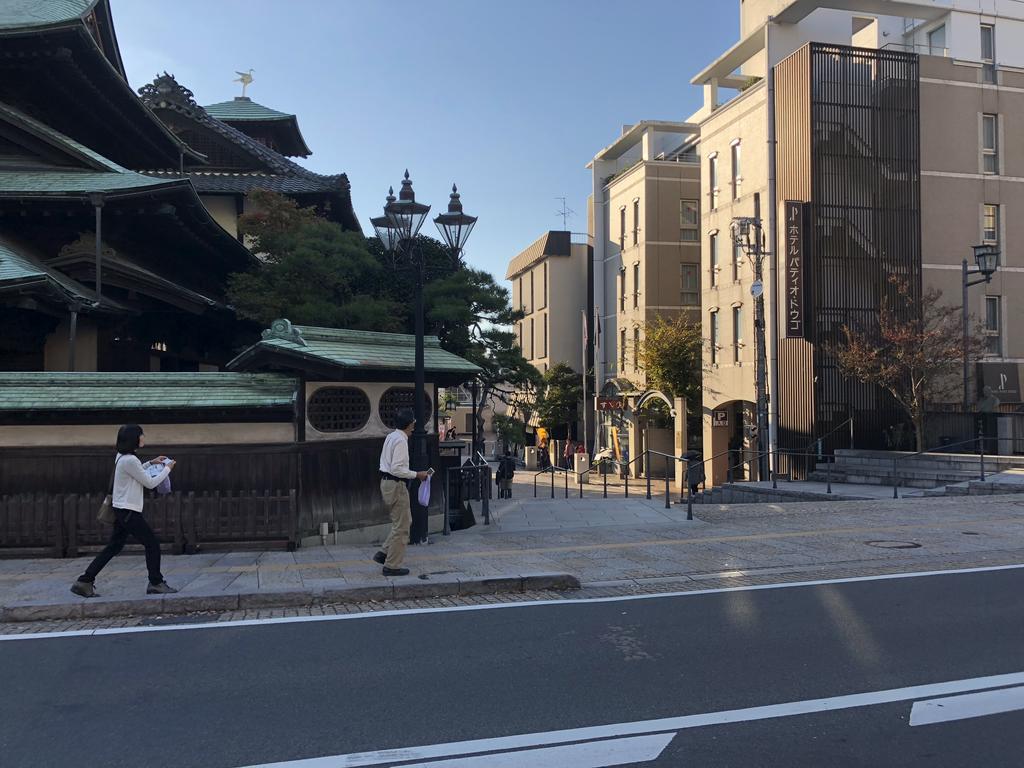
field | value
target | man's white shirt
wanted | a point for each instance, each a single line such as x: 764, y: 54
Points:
x: 394, y: 457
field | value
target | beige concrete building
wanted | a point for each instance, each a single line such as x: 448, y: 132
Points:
x: 645, y: 217
x: 889, y: 127
x: 550, y: 285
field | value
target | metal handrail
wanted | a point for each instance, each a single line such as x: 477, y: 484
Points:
x: 552, y: 469
x: 979, y: 441
x: 828, y: 434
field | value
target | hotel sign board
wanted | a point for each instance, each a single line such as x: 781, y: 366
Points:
x: 794, y: 302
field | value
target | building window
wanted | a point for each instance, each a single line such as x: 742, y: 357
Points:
x: 533, y: 339
x: 714, y: 338
x: 532, y: 294
x: 636, y: 349
x: 737, y: 333
x: 713, y: 255
x: 993, y: 337
x: 622, y: 350
x: 689, y: 221
x: 622, y: 289
x: 737, y: 257
x: 521, y: 337
x: 338, y: 409
x: 544, y: 285
x: 689, y: 285
x: 636, y: 221
x: 544, y: 349
x: 937, y: 41
x: 737, y: 171
x: 988, y: 53
x: 522, y: 296
x: 622, y: 228
x: 990, y: 224
x: 990, y: 143
x: 395, y: 399
x: 636, y: 286
x: 713, y: 181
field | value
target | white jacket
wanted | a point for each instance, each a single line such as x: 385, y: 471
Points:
x: 129, y: 479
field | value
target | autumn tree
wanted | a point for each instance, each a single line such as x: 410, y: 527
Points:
x: 913, y: 352
x: 670, y: 354
x: 561, y: 392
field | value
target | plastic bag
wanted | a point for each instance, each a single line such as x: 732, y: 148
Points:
x: 423, y: 495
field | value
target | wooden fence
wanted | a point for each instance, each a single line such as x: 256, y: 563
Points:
x: 65, y: 525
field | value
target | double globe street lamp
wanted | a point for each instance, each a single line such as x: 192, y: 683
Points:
x: 398, y: 230
x: 987, y: 259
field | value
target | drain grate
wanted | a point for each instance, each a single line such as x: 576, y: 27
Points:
x: 893, y: 544
x: 970, y: 533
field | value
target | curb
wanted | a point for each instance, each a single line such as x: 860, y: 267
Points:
x: 182, y: 603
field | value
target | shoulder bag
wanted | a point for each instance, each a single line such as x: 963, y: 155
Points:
x: 106, y: 514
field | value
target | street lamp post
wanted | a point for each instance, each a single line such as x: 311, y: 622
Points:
x: 987, y: 259
x: 748, y: 233
x: 397, y: 231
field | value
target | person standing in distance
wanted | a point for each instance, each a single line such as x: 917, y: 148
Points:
x: 130, y: 477
x: 394, y: 477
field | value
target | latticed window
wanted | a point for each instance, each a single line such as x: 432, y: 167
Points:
x: 397, y: 398
x: 338, y: 409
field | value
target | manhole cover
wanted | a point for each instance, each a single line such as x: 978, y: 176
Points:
x: 893, y: 544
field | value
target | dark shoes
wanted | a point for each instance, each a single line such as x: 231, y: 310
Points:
x: 380, y: 557
x: 84, y: 589
x: 395, y: 571
x: 160, y: 589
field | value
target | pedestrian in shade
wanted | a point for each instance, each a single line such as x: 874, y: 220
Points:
x: 394, y: 477
x: 130, y: 478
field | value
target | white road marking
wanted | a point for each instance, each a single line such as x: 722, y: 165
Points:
x: 496, y: 606
x: 594, y: 754
x: 665, y: 725
x: 966, y: 706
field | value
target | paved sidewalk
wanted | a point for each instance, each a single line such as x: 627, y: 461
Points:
x: 616, y: 542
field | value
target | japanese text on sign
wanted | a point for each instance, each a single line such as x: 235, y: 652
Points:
x: 794, y: 266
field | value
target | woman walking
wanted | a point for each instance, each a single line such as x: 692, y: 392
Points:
x: 130, y: 477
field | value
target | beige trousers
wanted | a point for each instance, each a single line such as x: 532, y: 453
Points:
x: 396, y: 499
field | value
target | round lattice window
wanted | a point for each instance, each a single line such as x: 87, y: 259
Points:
x: 396, y: 398
x: 338, y: 409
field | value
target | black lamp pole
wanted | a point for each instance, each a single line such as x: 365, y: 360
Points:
x: 987, y: 258
x: 397, y: 230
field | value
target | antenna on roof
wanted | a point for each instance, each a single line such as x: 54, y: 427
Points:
x: 245, y: 78
x: 566, y: 212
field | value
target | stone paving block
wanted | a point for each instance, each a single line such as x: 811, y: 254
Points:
x: 536, y: 581
x: 406, y: 589
x: 490, y: 585
x: 357, y: 593
x: 199, y: 600
x: 34, y: 611
x: 273, y: 598
x: 105, y: 607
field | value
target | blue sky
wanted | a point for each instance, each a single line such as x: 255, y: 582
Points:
x: 508, y: 98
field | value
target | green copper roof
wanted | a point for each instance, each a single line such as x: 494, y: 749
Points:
x: 356, y: 349
x: 138, y: 391
x: 97, y: 174
x: 244, y: 108
x: 16, y: 14
x: 20, y: 271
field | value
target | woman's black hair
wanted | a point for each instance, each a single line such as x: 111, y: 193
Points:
x: 128, y: 438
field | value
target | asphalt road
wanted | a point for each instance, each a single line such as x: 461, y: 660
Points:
x: 253, y: 695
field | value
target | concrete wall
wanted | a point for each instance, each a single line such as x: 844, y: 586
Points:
x: 374, y: 427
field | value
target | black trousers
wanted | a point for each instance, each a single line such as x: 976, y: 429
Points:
x: 128, y: 523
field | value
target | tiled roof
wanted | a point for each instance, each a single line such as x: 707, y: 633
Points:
x: 135, y: 391
x: 19, y: 269
x: 357, y: 349
x: 214, y: 181
x: 244, y: 108
x: 40, y: 129
x: 19, y: 14
x: 73, y: 182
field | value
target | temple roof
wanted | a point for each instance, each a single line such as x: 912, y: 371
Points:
x: 22, y: 272
x: 279, y: 129
x: 345, y: 352
x: 244, y: 108
x: 64, y: 391
x: 60, y: 62
x: 264, y: 168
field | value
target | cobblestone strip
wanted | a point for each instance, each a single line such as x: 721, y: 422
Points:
x: 623, y: 588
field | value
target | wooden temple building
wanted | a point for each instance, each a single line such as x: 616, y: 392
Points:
x: 118, y: 214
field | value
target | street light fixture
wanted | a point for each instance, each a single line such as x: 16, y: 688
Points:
x: 987, y: 258
x: 748, y: 233
x: 397, y: 230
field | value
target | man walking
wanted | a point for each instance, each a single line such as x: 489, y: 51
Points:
x: 394, y: 476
